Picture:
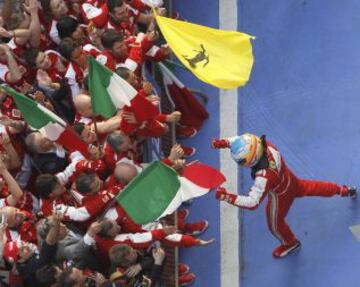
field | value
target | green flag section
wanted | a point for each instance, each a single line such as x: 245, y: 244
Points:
x: 220, y: 58
x: 48, y: 123
x: 35, y: 115
x: 159, y: 190
x: 108, y: 91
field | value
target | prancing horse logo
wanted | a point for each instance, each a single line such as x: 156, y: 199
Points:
x: 199, y: 57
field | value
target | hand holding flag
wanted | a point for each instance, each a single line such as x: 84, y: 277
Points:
x: 47, y: 122
x: 108, y: 91
x: 159, y: 190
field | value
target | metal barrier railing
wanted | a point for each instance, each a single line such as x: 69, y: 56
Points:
x: 170, y: 272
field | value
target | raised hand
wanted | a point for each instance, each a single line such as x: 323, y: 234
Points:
x: 165, y: 49
x: 153, y: 35
x: 221, y: 193
x: 133, y: 270
x: 201, y: 242
x: 6, y: 121
x: 220, y: 143
x: 148, y: 87
x: 158, y: 255
x: 129, y: 117
x: 162, y: 11
x: 179, y: 164
x: 5, y: 33
x: 174, y: 117
x: 176, y: 152
x: 155, y: 100
x: 31, y: 6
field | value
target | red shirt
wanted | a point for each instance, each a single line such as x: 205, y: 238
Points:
x: 27, y: 75
x: 75, y: 74
x: 133, y: 60
x: 111, y: 157
x: 56, y: 60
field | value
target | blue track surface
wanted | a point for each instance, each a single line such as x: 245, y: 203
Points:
x: 204, y: 262
x: 305, y: 96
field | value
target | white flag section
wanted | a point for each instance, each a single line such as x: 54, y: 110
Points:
x: 187, y: 190
x: 52, y: 130
x: 120, y: 91
x: 109, y: 92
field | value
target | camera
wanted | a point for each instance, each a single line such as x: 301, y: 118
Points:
x: 145, y: 282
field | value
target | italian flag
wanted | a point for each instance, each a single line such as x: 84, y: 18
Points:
x: 159, y: 190
x: 193, y: 113
x: 48, y: 123
x: 109, y: 92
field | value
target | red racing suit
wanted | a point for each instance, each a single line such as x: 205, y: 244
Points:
x: 282, y: 187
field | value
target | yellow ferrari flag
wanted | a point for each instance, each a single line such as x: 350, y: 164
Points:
x: 223, y: 59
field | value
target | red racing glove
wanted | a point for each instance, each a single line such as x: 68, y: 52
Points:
x: 223, y: 195
x: 220, y: 143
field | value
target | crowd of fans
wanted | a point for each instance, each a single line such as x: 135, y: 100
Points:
x: 58, y: 223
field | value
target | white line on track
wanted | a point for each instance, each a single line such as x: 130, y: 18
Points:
x: 229, y: 220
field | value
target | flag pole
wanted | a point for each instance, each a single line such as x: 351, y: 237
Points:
x: 96, y: 132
